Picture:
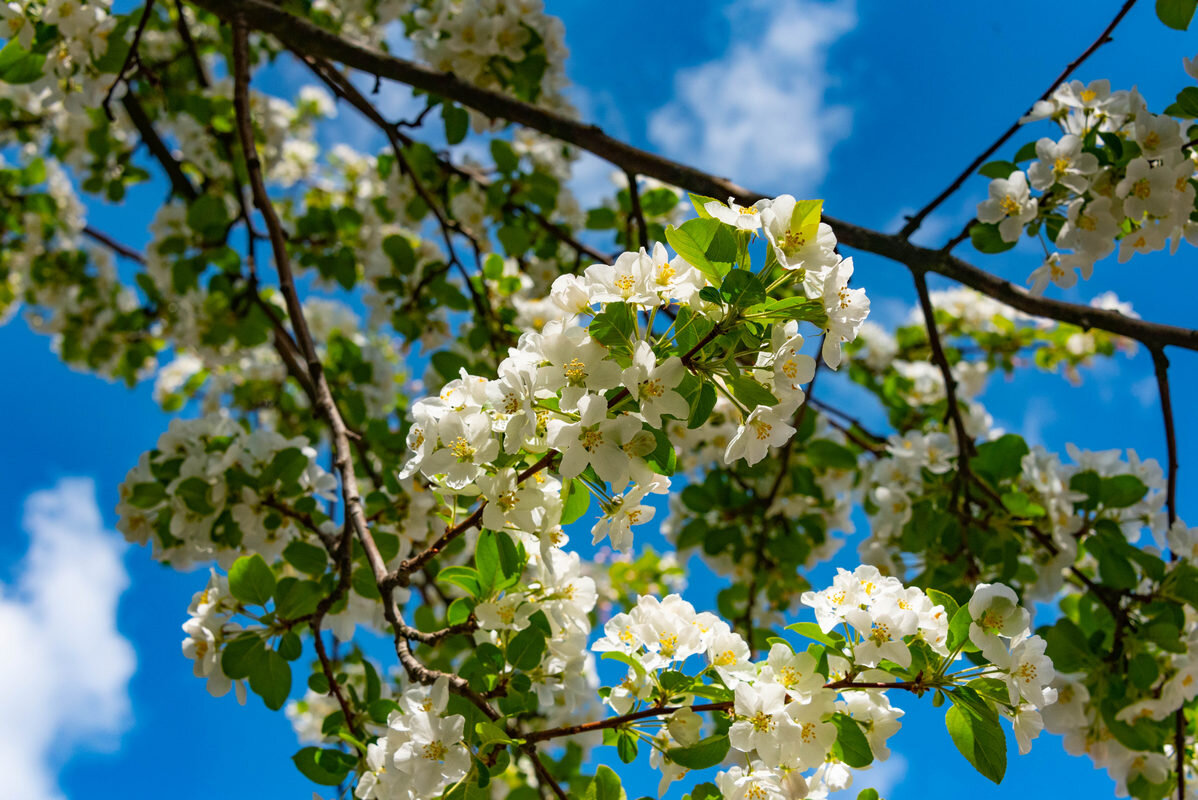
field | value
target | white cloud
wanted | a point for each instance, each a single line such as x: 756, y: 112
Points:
x: 65, y: 668
x: 758, y: 113
x: 1145, y: 390
x: 883, y: 776
x: 1038, y: 416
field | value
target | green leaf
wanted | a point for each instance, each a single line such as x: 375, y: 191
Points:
x: 242, y: 656
x: 700, y: 201
x: 1176, y: 13
x: 285, y: 468
x: 813, y: 631
x: 986, y: 239
x: 576, y: 499
x: 290, y: 646
x: 702, y: 406
x: 1143, y: 671
x: 498, y: 562
x: 615, y: 655
x: 505, y: 157
x: 998, y: 169
x: 1000, y: 459
x: 1025, y: 153
x: 626, y: 746
x: 194, y: 493
x: 702, y: 754
x: 958, y: 631
x: 525, y: 649
x: 147, y: 495
x: 975, y: 731
x: 939, y: 598
x: 18, y: 65
x: 251, y: 580
x: 306, y: 557
x: 457, y: 122
x: 826, y: 454
x: 400, y: 252
x: 605, y: 785
x: 208, y: 216
x: 750, y: 392
x: 272, y: 680
x: 459, y: 611
x: 465, y: 577
x: 1186, y: 105
x: 741, y: 288
x: 804, y: 219
x: 1067, y: 646
x: 664, y: 457
x: 706, y: 244
x: 324, y: 766
x: 1121, y: 491
x: 851, y: 746
x: 295, y: 598
x: 868, y: 794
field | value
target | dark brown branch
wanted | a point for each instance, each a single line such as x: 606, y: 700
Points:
x: 121, y: 250
x: 180, y: 185
x: 638, y: 214
x: 130, y: 57
x: 1161, y: 366
x: 953, y: 412
x: 915, y: 220
x: 319, y: 42
x: 917, y: 686
x: 400, y: 576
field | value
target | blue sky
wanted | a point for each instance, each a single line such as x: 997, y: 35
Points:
x: 873, y: 106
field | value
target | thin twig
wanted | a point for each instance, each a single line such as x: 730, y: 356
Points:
x: 130, y: 57
x: 124, y: 251
x: 319, y: 42
x: 916, y: 219
x: 638, y: 214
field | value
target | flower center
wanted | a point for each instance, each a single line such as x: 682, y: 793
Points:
x: 462, y: 450
x: 879, y: 634
x: 1142, y: 189
x: 434, y: 751
x: 576, y: 371
x: 1009, y: 205
x: 652, y: 388
x: 762, y: 722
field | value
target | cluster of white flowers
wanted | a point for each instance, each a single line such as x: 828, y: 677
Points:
x: 783, y: 705
x: 421, y: 752
x: 565, y: 681
x: 181, y: 496
x: 208, y: 628
x: 1138, y: 206
x: 497, y: 44
x: 69, y: 76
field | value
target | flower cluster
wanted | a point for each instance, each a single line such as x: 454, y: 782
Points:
x: 212, y: 491
x: 421, y: 752
x: 1120, y: 177
x: 789, y: 709
x: 209, y: 627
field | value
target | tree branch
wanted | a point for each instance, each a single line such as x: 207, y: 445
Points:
x: 121, y: 250
x: 914, y: 221
x: 317, y: 41
x: 180, y: 185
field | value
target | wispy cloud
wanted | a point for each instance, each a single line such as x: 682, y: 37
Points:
x: 65, y: 670
x: 758, y: 113
x: 884, y: 776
